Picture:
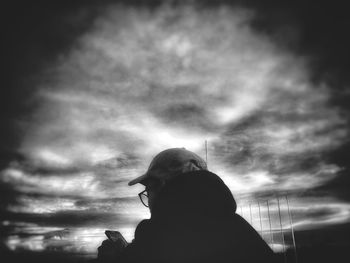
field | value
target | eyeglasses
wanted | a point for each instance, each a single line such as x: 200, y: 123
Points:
x: 144, y: 198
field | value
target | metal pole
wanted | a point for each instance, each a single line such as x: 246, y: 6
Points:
x: 291, y: 226
x: 206, y: 152
x: 241, y: 211
x: 250, y: 209
x: 284, y: 245
x: 268, y: 213
x: 261, y: 228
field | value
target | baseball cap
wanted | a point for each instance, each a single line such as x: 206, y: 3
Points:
x: 168, y: 163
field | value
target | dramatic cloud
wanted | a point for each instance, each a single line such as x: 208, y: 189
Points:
x: 143, y: 80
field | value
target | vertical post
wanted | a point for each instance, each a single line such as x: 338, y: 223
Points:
x: 280, y: 218
x: 206, y: 152
x: 261, y: 228
x: 241, y: 211
x: 251, y: 218
x: 292, y: 228
x: 268, y: 214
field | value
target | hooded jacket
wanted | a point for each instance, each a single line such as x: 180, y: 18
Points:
x: 193, y: 220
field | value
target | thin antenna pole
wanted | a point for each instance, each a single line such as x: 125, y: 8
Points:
x: 250, y: 209
x: 261, y: 228
x: 291, y: 226
x: 284, y: 245
x: 206, y: 152
x: 268, y: 213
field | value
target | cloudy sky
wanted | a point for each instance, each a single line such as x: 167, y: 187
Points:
x: 94, y: 91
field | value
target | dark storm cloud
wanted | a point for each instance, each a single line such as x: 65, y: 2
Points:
x: 196, y: 116
x: 46, y: 170
x: 65, y: 230
x: 329, y: 213
x: 101, y: 204
x: 33, y: 36
x: 319, y: 32
x: 290, y: 135
x: 39, y: 168
x: 247, y: 138
x: 8, y: 195
x: 79, y: 218
x: 339, y: 186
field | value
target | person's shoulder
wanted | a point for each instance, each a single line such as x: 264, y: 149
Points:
x: 144, y: 223
x: 237, y: 219
x: 143, y: 229
x: 241, y: 224
x: 244, y: 231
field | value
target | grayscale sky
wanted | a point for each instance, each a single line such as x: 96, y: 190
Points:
x: 140, y: 79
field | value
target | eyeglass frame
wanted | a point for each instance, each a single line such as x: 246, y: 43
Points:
x: 157, y: 184
x: 144, y: 193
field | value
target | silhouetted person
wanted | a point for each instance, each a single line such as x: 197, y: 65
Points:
x: 193, y: 217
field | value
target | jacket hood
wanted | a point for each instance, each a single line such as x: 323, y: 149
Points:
x: 193, y: 194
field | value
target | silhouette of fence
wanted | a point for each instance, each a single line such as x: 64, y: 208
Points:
x: 272, y: 219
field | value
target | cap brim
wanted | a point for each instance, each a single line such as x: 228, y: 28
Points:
x: 138, y: 179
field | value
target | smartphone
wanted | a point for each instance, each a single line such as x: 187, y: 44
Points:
x: 116, y: 237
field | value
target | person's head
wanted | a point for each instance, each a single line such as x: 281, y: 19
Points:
x: 194, y: 195
x: 165, y: 166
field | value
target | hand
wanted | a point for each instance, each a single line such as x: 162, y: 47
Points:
x: 109, y: 251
